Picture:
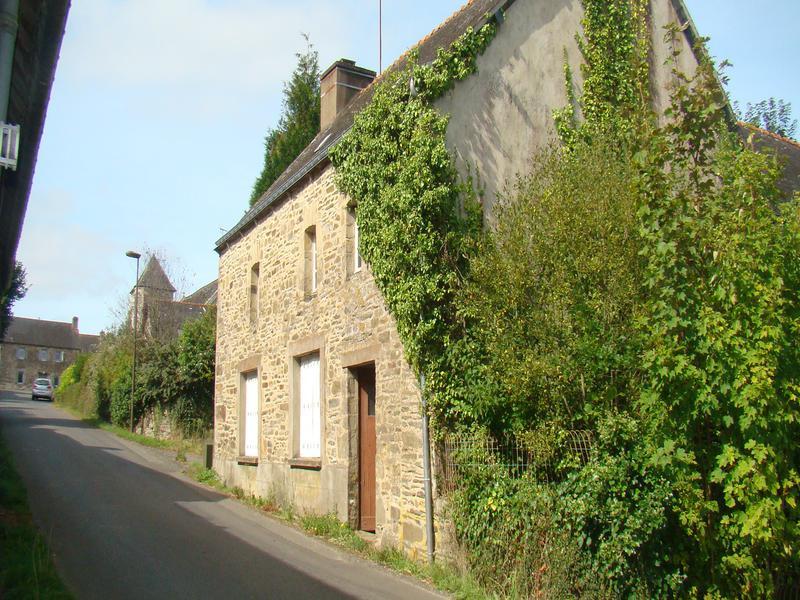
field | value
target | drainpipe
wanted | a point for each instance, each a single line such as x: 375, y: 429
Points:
x: 9, y: 9
x: 426, y: 467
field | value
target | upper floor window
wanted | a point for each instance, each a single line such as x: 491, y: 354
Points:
x: 354, y: 240
x: 310, y: 264
x: 254, y: 274
x: 58, y: 355
x: 44, y: 355
x: 22, y: 354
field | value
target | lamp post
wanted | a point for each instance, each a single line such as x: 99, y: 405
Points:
x: 137, y: 256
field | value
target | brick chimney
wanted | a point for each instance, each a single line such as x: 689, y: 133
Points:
x: 338, y: 85
x: 75, y: 324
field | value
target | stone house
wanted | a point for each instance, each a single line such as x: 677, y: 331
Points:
x: 35, y: 348
x: 314, y: 400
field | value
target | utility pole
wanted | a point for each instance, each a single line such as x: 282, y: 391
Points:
x: 380, y: 36
x: 137, y: 256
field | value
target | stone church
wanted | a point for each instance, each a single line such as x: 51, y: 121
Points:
x: 160, y: 316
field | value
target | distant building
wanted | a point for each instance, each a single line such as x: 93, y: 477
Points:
x: 35, y: 348
x: 160, y: 315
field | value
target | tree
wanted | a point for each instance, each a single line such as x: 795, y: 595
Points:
x: 774, y: 115
x: 298, y: 124
x: 16, y: 291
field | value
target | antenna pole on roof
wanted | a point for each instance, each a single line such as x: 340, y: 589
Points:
x: 380, y: 37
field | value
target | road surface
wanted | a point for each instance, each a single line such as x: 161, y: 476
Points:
x: 123, y: 522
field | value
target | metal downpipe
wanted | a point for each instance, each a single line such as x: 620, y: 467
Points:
x: 9, y: 23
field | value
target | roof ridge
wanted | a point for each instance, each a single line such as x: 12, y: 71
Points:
x: 769, y: 133
x: 38, y: 320
x: 419, y: 43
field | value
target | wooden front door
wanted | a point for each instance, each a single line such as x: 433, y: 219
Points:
x: 366, y: 447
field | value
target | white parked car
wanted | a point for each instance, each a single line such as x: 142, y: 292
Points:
x: 42, y: 388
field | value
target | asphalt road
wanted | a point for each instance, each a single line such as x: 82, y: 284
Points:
x: 124, y: 523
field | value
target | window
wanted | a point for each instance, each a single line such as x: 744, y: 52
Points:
x: 310, y: 266
x: 20, y: 375
x: 44, y: 355
x: 58, y: 355
x: 254, y: 273
x: 310, y: 431
x: 250, y: 409
x: 353, y: 241
x: 22, y: 354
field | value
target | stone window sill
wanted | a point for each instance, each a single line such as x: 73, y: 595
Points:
x: 314, y: 464
x: 247, y: 460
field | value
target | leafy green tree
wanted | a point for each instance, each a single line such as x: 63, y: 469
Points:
x: 774, y: 115
x: 16, y: 291
x: 298, y: 124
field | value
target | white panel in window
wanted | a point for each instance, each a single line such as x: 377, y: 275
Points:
x: 309, y: 407
x: 251, y: 414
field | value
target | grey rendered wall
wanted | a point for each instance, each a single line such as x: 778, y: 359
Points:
x: 502, y: 115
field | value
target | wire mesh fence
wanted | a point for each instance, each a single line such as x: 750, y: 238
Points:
x: 541, y: 456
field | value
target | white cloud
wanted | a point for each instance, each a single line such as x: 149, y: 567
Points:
x: 243, y: 44
x: 62, y: 257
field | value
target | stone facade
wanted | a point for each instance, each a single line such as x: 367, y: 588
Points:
x: 35, y: 348
x: 346, y: 321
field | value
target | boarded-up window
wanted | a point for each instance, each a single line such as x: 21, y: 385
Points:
x: 310, y: 432
x: 310, y: 262
x: 250, y: 401
x: 353, y: 241
x: 254, y: 273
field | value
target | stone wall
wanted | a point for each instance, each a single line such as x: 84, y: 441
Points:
x: 33, y: 367
x: 346, y: 321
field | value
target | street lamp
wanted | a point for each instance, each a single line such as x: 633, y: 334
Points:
x: 137, y: 256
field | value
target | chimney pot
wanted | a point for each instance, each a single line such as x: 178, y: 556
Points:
x: 75, y: 324
x: 339, y: 84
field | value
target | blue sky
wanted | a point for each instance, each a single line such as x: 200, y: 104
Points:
x: 154, y: 134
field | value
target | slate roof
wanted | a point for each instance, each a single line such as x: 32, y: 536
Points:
x: 788, y: 152
x: 50, y: 334
x: 153, y: 277
x: 205, y: 295
x: 473, y: 14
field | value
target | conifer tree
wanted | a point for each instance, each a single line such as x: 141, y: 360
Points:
x: 298, y: 124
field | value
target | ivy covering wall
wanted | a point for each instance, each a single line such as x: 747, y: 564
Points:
x: 641, y: 285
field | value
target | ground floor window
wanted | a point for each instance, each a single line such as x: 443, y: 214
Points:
x: 310, y: 430
x: 250, y: 410
x: 20, y: 375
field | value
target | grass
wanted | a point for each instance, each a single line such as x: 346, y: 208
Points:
x: 26, y: 566
x: 330, y: 528
x: 180, y: 446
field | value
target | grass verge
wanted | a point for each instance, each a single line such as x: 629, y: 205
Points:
x: 180, y: 446
x: 26, y: 566
x: 330, y: 528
